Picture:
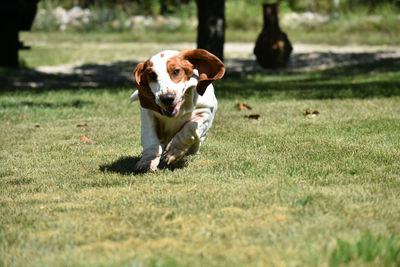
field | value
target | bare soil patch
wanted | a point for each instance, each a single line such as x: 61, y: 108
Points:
x: 239, y: 60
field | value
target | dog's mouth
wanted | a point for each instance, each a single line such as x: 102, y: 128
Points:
x: 171, y: 111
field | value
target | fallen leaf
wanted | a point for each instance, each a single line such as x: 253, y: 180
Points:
x: 309, y: 113
x: 86, y: 139
x: 254, y: 116
x: 82, y: 124
x: 242, y: 106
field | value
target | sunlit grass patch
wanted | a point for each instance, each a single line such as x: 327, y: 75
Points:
x: 369, y: 249
x: 283, y: 189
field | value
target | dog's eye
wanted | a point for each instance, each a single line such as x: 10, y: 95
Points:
x: 176, y: 72
x: 152, y: 76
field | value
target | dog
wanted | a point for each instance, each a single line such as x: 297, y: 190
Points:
x: 177, y: 103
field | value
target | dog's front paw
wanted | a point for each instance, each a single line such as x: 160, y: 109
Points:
x: 147, y: 164
x: 173, y: 154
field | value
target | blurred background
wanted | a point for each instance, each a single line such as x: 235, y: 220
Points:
x: 300, y: 18
x: 72, y: 34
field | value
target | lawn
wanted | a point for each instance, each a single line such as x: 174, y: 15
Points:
x: 283, y: 190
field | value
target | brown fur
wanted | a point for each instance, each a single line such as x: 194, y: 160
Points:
x: 158, y: 127
x: 209, y: 66
x: 178, y: 63
x: 146, y: 96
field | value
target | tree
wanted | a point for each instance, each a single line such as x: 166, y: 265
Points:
x: 211, y: 29
x: 273, y: 47
x: 15, y: 16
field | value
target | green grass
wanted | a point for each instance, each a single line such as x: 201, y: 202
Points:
x: 281, y: 190
x: 58, y: 48
x: 380, y: 250
x: 78, y: 48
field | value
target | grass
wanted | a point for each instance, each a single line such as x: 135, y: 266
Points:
x: 281, y: 190
x: 61, y: 48
x: 58, y: 48
x: 383, y: 250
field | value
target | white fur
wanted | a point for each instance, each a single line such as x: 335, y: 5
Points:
x: 134, y: 96
x: 181, y: 133
x: 164, y: 82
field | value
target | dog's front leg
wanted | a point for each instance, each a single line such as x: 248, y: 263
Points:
x: 194, y: 131
x: 152, y: 148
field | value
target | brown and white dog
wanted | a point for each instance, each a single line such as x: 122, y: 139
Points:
x: 177, y: 103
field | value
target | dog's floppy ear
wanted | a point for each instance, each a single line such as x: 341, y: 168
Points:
x: 146, y: 96
x: 140, y: 71
x: 209, y: 66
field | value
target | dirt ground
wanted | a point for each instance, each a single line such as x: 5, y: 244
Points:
x: 239, y: 60
x: 239, y: 56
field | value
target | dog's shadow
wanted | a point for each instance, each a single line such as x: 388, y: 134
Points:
x: 126, y: 166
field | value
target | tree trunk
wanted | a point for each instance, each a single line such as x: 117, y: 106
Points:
x: 15, y: 16
x: 211, y: 29
x: 273, y: 47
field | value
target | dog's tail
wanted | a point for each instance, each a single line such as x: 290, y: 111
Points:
x: 134, y: 96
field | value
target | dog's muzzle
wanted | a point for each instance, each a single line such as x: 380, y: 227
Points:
x: 167, y: 99
x: 169, y: 109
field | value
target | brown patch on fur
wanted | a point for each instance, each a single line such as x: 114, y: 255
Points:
x: 209, y: 66
x: 158, y: 127
x: 146, y: 96
x: 179, y: 69
x: 162, y: 55
x: 197, y: 117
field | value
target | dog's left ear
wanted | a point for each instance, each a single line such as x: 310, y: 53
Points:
x: 209, y: 66
x: 139, y: 72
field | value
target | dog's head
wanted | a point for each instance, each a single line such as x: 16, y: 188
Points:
x: 164, y: 78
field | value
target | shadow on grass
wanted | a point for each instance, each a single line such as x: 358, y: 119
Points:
x: 44, y: 104
x: 91, y: 76
x: 126, y: 166
x: 243, y: 79
x: 123, y: 165
x: 377, y: 79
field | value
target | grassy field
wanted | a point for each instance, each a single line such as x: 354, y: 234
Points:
x: 283, y: 190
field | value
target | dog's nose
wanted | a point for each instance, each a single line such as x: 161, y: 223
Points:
x: 167, y: 99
